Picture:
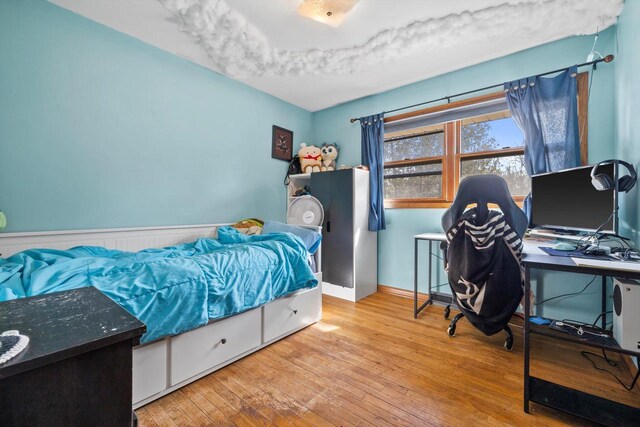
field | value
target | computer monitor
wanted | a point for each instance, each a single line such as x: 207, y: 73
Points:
x: 566, y: 200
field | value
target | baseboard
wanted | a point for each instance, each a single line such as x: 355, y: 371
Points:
x: 403, y: 293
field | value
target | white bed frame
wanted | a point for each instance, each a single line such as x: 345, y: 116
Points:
x: 167, y: 364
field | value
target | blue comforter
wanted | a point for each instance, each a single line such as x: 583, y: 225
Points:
x: 171, y: 290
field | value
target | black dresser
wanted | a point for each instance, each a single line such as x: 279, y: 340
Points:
x: 77, y: 367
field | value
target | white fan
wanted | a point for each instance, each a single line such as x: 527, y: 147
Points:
x: 305, y: 210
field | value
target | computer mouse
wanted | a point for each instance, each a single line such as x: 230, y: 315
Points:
x: 597, y: 250
x: 564, y: 246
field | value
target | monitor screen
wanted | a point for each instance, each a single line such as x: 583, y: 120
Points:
x: 568, y: 200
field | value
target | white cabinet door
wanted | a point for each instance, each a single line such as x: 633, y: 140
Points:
x: 202, y: 349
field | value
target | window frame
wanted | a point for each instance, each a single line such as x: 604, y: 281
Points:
x: 452, y: 158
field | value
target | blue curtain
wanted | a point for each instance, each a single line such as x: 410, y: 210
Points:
x: 372, y: 148
x: 546, y: 109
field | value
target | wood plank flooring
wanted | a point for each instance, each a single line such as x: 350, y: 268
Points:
x: 371, y: 363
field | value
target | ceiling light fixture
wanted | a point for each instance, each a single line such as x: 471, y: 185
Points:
x: 330, y: 12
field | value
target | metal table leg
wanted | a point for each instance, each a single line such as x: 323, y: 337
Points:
x: 415, y: 278
x: 527, y: 344
x: 429, y: 273
x: 416, y: 309
x: 604, y: 302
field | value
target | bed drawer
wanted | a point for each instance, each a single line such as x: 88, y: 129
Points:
x: 149, y: 370
x: 286, y: 314
x: 201, y: 349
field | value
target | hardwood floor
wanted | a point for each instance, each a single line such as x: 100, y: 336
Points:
x: 371, y: 363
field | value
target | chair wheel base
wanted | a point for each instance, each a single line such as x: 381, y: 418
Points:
x: 508, y: 344
x: 451, y: 331
x: 447, y: 312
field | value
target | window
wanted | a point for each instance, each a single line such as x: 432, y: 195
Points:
x: 424, y: 168
x: 494, y: 144
x: 413, y: 165
x: 428, y: 152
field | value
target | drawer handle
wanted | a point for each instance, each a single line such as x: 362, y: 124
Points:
x: 223, y: 341
x: 295, y: 311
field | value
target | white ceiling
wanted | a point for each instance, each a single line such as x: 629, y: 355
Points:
x: 381, y: 45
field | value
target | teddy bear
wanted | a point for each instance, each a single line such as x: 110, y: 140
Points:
x: 329, y: 156
x: 310, y: 158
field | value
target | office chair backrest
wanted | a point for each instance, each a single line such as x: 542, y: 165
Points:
x: 482, y: 190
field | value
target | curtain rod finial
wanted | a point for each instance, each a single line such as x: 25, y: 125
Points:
x: 608, y: 58
x: 353, y: 120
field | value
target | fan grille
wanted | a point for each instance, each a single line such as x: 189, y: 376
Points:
x: 305, y: 210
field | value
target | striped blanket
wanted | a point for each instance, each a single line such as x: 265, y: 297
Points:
x: 483, y: 267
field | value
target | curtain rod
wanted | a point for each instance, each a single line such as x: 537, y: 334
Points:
x: 607, y: 58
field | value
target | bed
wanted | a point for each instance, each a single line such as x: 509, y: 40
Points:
x: 206, y: 302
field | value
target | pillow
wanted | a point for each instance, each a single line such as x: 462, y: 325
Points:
x: 310, y: 237
x: 250, y: 226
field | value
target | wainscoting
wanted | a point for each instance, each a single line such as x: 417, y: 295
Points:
x: 124, y: 239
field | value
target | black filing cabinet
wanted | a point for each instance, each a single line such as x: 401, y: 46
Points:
x: 77, y: 367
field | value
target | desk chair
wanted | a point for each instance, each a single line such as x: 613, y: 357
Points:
x: 482, y: 190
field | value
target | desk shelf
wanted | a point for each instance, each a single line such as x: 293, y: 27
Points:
x: 580, y: 403
x: 548, y: 332
x: 594, y: 408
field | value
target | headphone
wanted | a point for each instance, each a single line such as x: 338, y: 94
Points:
x: 603, y: 182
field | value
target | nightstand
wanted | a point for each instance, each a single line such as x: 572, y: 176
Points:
x: 77, y: 368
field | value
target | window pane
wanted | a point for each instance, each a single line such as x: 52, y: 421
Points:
x: 406, y: 186
x: 480, y: 134
x: 511, y: 168
x: 415, y: 147
x: 432, y: 169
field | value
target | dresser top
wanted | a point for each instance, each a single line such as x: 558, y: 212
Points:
x: 65, y: 324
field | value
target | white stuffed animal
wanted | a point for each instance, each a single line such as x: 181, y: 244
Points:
x: 329, y: 156
x: 310, y: 158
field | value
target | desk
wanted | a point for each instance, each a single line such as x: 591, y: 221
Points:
x: 433, y: 296
x: 537, y: 390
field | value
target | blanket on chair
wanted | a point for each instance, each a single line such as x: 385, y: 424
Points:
x: 483, y: 267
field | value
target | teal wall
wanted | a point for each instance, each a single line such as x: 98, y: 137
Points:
x: 627, y: 92
x: 395, y: 245
x: 98, y: 129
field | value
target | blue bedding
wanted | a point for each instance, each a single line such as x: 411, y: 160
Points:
x: 174, y: 289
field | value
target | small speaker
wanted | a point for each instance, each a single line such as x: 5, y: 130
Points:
x: 626, y: 313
